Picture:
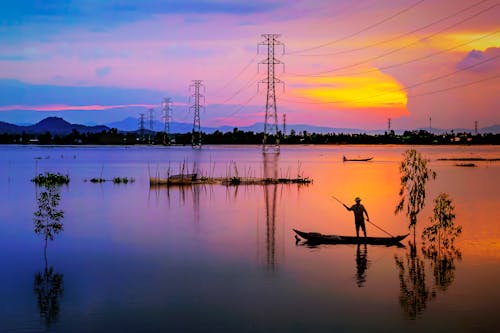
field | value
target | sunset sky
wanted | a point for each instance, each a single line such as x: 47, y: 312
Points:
x: 346, y: 63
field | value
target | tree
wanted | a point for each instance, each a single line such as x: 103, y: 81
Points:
x: 443, y: 230
x: 48, y: 284
x: 439, y: 239
x: 47, y: 218
x: 414, y: 175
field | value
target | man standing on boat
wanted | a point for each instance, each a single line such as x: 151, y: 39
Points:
x: 359, y: 212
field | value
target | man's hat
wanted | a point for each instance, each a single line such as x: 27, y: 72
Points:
x: 357, y: 199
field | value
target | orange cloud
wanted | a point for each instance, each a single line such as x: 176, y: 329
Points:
x: 478, y: 43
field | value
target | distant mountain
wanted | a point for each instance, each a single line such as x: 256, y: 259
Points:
x: 54, y: 125
x: 131, y: 124
x: 8, y: 128
x: 495, y: 129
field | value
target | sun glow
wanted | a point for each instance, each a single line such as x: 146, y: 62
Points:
x: 375, y: 90
x: 481, y: 44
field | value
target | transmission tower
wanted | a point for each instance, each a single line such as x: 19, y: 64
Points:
x: 271, y: 118
x: 284, y: 124
x: 151, y: 123
x: 475, y: 127
x: 196, y: 96
x: 389, y: 125
x: 151, y: 119
x: 167, y: 117
x: 141, y: 126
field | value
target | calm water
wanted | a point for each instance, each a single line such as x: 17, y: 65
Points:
x: 224, y: 259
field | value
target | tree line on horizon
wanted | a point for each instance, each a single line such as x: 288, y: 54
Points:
x: 115, y: 137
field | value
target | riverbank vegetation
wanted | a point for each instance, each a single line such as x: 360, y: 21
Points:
x: 115, y: 137
x: 115, y: 180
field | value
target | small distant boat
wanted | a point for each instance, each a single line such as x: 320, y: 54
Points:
x: 317, y: 238
x: 345, y: 159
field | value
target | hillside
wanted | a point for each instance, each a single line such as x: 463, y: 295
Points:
x: 54, y: 125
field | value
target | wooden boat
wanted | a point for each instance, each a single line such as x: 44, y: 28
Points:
x: 345, y: 159
x: 317, y: 238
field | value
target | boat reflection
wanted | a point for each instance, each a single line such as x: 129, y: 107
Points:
x: 48, y: 284
x: 361, y: 258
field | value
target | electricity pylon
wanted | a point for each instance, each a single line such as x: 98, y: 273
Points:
x: 284, y: 124
x: 166, y: 117
x: 141, y: 126
x: 196, y: 96
x: 271, y: 118
x: 151, y: 123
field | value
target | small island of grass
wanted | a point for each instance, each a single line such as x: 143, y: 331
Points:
x: 51, y: 179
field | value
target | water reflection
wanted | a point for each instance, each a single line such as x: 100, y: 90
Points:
x: 270, y: 192
x: 415, y: 288
x: 48, y: 288
x: 361, y: 264
x: 48, y: 284
x: 414, y: 292
x: 443, y: 264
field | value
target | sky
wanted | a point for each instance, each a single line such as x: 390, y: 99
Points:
x: 340, y: 63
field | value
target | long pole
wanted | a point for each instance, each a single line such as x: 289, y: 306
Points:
x: 366, y: 220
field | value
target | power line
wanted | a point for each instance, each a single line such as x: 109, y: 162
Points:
x: 397, y: 49
x: 248, y: 84
x: 421, y: 58
x: 405, y: 87
x: 236, y: 76
x: 425, y: 93
x: 362, y: 30
x: 392, y: 38
x: 242, y: 106
x: 456, y: 86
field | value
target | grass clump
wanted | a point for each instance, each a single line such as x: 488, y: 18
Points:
x: 51, y: 179
x: 235, y: 181
x: 124, y: 180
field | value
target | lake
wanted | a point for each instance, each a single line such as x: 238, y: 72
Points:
x: 215, y: 258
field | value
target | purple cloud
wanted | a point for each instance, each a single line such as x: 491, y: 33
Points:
x: 474, y: 57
